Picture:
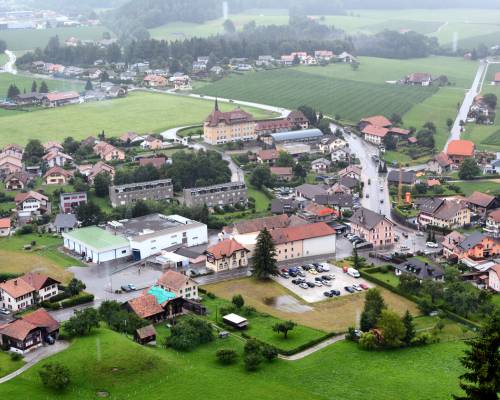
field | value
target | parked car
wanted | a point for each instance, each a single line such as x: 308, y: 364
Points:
x: 325, y: 267
x: 4, y: 311
x: 313, y: 271
x: 304, y: 286
x: 302, y: 273
x: 349, y: 289
x: 132, y: 286
x: 318, y: 279
x: 295, y: 281
x: 335, y: 292
x: 318, y: 283
x: 326, y: 277
x: 353, y: 272
x: 328, y: 294
x: 326, y: 283
x: 420, y: 234
x: 357, y: 287
x: 310, y: 284
x: 432, y: 245
x: 363, y: 286
x: 125, y: 288
x: 405, y: 234
x: 285, y: 275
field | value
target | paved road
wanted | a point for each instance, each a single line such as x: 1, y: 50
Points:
x: 467, y: 102
x: 36, y: 356
x: 313, y: 349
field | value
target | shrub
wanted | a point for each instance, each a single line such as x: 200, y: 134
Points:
x: 252, y: 361
x: 80, y: 299
x: 15, y: 356
x: 226, y: 356
x: 238, y: 301
x: 189, y: 333
x: 422, y: 339
x: 210, y: 295
x: 55, y: 376
x: 269, y: 352
x: 368, y: 341
x: 248, y: 311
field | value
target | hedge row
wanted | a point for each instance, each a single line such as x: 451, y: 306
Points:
x: 451, y: 315
x: 72, y: 301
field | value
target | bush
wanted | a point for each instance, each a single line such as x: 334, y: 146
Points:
x: 423, y: 339
x: 252, y: 361
x: 55, y: 376
x: 248, y: 311
x: 189, y: 333
x: 269, y: 352
x: 368, y: 341
x: 210, y: 295
x: 15, y: 356
x: 80, y: 299
x: 5, y: 276
x: 226, y: 356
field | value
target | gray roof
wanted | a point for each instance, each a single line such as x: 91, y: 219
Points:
x: 431, y: 205
x: 407, y: 177
x: 348, y: 182
x: 65, y: 221
x: 471, y: 240
x: 297, y: 135
x: 421, y: 269
x: 310, y: 191
x: 338, y: 200
x: 280, y: 206
x: 366, y: 218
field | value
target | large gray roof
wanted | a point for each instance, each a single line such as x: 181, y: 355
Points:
x: 366, y: 218
x: 421, y: 269
x: 297, y: 135
x: 65, y: 221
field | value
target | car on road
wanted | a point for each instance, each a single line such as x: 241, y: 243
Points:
x: 432, y: 245
x: 381, y: 188
x: 405, y: 235
x: 304, y: 286
x: 367, y: 196
x: 4, y: 311
x: 349, y: 289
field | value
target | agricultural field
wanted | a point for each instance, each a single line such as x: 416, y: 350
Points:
x: 43, y: 257
x: 24, y: 83
x: 265, y: 297
x: 490, y: 186
x: 30, y: 39
x: 110, y: 364
x: 139, y: 112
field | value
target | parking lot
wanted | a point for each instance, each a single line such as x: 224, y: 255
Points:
x: 339, y: 281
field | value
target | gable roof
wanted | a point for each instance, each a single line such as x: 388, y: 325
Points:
x: 354, y: 169
x: 336, y: 199
x: 377, y: 120
x: 17, y: 287
x: 281, y: 171
x: 268, y: 155
x: 375, y: 130
x: 225, y: 248
x: 173, y: 279
x: 471, y: 241
x: 58, y: 96
x: 18, y: 329
x: 21, y: 176
x: 319, y: 210
x: 301, y: 232
x: 481, y: 199
x: 310, y: 191
x: 5, y: 223
x: 407, y: 177
x: 145, y: 306
x: 421, y: 269
x: 58, y: 171
x: 156, y: 162
x: 37, y: 280
x: 65, y: 221
x: 419, y: 77
x: 461, y: 148
x: 258, y: 224
x: 495, y: 215
x: 237, y: 116
x: 146, y: 331
x: 20, y: 197
x: 367, y: 218
x: 42, y: 319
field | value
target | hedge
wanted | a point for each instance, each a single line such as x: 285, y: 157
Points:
x: 72, y: 301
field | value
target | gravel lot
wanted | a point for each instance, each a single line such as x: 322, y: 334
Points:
x: 313, y: 295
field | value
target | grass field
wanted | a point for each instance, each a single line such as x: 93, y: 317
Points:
x: 44, y: 257
x: 491, y: 186
x: 24, y: 83
x: 110, y: 362
x: 334, y: 315
x: 29, y: 39
x: 7, y: 365
x: 139, y: 112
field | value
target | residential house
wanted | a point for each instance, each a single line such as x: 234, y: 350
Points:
x: 459, y: 150
x: 68, y: 202
x: 338, y: 188
x: 284, y: 174
x: 155, y: 305
x: 31, y: 203
x: 264, y: 60
x: 492, y: 168
x: 152, y: 143
x: 287, y: 60
x: 267, y: 156
x: 375, y: 120
x: 223, y: 127
x: 346, y: 58
x: 155, y: 81
x: 375, y: 134
x: 96, y: 169
x: 492, y: 227
x: 56, y: 158
x: 319, y: 213
x: 65, y: 223
x: 419, y: 79
x: 10, y: 162
x: 494, y: 272
x: 372, y: 227
x: 331, y: 144
x: 408, y: 178
x: 423, y: 270
x: 351, y: 183
x: 298, y: 120
x: 352, y: 171
x: 16, y: 181
x: 325, y: 55
x: 57, y: 176
x: 29, y: 331
x: 309, y: 191
x: 340, y: 155
x: 180, y: 81
x: 116, y: 91
x: 226, y: 255
x: 31, y: 288
x: 52, y: 146
x: 58, y: 99
x: 284, y: 206
x: 476, y: 246
x: 440, y: 163
x: 217, y: 70
x: 145, y: 335
x: 341, y: 201
x: 481, y: 203
x: 130, y: 137
x: 5, y: 227
x: 444, y: 213
x: 306, y: 240
x: 178, y: 284
x: 108, y: 152
x: 156, y: 162
x: 320, y: 165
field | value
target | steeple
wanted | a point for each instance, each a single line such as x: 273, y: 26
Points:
x: 216, y: 104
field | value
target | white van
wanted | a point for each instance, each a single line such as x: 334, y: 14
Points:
x: 353, y: 272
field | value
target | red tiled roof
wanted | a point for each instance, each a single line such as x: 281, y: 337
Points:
x: 17, y: 329
x: 20, y: 197
x: 37, y: 280
x: 495, y: 215
x: 226, y: 248
x: 273, y: 124
x: 258, y: 224
x: 145, y: 306
x: 154, y: 161
x: 58, y: 171
x: 173, y: 279
x: 128, y: 135
x: 301, y: 232
x: 399, y: 131
x: 419, y: 77
x: 52, y: 143
x: 433, y: 182
x: 5, y: 223
x: 412, y: 140
x: 377, y: 120
x: 62, y: 96
x: 461, y: 148
x: 281, y: 170
x: 319, y: 210
x: 237, y: 116
x: 42, y: 319
x: 267, y: 155
x: 480, y: 199
x: 375, y: 130
x: 442, y: 159
x: 17, y: 287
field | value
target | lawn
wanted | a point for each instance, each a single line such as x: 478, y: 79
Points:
x: 7, y: 365
x: 44, y: 257
x: 109, y: 362
x: 140, y: 112
x: 261, y: 200
x: 491, y: 186
x: 387, y: 277
x: 29, y: 39
x: 24, y: 83
x: 333, y: 315
x: 292, y: 88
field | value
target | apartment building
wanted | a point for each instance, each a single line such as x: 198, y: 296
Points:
x: 216, y: 195
x: 121, y: 195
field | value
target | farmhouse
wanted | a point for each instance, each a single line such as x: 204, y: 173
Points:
x: 155, y: 304
x: 223, y: 127
x: 129, y: 193
x: 480, y: 203
x: 152, y: 143
x: 303, y: 241
x: 57, y: 99
x: 267, y: 156
x: 310, y: 192
x: 282, y: 173
x: 372, y: 227
x: 374, y: 134
x: 108, y: 152
x: 31, y: 203
x: 419, y: 79
x: 154, y: 81
x: 178, y: 284
x: 225, y: 255
x: 459, y: 150
x: 440, y: 164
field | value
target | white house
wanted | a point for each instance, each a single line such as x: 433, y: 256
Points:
x: 320, y: 165
x: 31, y: 203
x: 5, y: 227
x: 57, y: 158
x: 339, y: 155
x: 178, y: 284
x: 494, y: 278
